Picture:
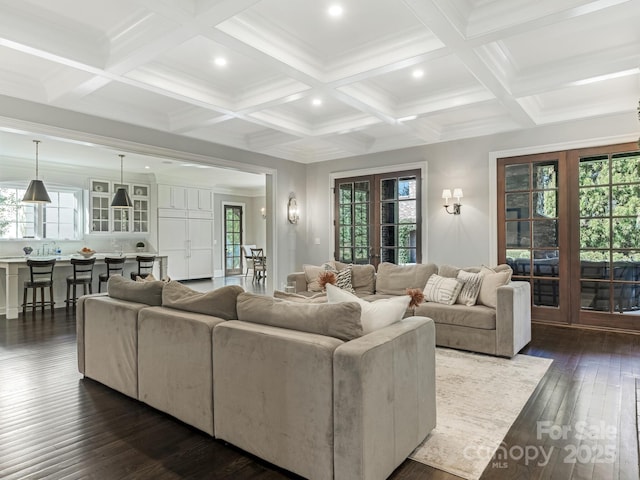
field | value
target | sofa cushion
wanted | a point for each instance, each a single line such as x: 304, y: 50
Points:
x: 470, y: 289
x: 319, y: 297
x: 492, y: 278
x: 149, y: 293
x: 363, y: 277
x: 478, y: 316
x: 448, y: 271
x: 452, y: 272
x: 340, y: 320
x: 220, y: 302
x: 442, y: 289
x: 395, y: 279
x: 374, y: 315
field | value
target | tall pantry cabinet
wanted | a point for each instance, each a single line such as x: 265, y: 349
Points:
x: 185, y: 231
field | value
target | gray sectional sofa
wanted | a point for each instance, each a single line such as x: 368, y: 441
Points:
x: 501, y: 326
x: 296, y: 385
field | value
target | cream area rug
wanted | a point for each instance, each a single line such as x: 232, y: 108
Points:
x: 478, y: 397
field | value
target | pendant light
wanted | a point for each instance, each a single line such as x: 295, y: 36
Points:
x: 121, y: 198
x: 36, y: 192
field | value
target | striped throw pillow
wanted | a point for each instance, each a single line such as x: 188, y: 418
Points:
x: 470, y: 289
x: 442, y: 290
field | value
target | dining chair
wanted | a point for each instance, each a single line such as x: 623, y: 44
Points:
x: 115, y: 265
x: 82, y: 275
x: 248, y: 257
x: 40, y: 277
x: 259, y: 264
x: 145, y: 266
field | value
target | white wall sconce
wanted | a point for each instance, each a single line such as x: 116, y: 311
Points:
x: 263, y: 212
x: 293, y: 215
x: 457, y: 193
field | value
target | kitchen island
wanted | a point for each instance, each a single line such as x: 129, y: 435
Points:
x: 17, y: 271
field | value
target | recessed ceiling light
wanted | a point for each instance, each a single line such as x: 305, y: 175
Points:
x: 147, y: 167
x: 220, y: 61
x: 417, y: 73
x: 609, y: 76
x: 316, y: 102
x: 335, y: 10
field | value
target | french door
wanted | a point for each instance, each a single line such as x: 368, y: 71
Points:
x: 569, y: 223
x: 233, y: 239
x: 378, y: 218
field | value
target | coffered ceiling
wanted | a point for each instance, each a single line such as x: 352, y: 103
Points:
x: 286, y: 78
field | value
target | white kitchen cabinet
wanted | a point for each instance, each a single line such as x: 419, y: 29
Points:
x: 172, y: 196
x: 188, y: 244
x: 199, y: 199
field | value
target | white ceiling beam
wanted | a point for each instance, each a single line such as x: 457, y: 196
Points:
x: 432, y: 17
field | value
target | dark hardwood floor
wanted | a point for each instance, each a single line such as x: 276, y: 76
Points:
x: 56, y: 425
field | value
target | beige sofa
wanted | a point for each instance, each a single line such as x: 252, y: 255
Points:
x: 292, y: 385
x: 501, y: 330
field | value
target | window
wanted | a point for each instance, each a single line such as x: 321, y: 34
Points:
x: 60, y: 218
x: 17, y: 219
x: 57, y: 220
x: 378, y: 218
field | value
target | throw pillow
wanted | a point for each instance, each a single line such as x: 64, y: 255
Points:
x: 311, y: 273
x: 340, y: 321
x: 343, y: 280
x: 470, y: 288
x: 491, y: 280
x: 374, y: 315
x: 220, y: 302
x: 296, y: 297
x: 363, y: 277
x: 395, y: 279
x: 149, y: 293
x: 442, y: 289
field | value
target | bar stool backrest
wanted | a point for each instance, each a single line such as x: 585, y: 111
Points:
x: 115, y: 265
x: 41, y: 271
x: 83, y: 268
x: 145, y: 265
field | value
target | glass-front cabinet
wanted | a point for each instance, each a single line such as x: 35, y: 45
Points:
x: 105, y: 219
x: 100, y: 201
x: 140, y: 200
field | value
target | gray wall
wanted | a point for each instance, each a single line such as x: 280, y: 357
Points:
x: 467, y: 239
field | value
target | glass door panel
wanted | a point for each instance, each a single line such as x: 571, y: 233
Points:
x: 377, y: 218
x: 530, y: 230
x: 233, y: 239
x: 609, y: 236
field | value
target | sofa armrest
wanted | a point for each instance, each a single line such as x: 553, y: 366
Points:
x: 80, y: 316
x: 299, y: 280
x: 384, y: 398
x: 513, y: 318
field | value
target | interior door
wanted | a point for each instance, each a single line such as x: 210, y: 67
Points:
x: 233, y: 239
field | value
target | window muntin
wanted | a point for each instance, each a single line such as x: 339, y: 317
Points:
x: 58, y: 220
